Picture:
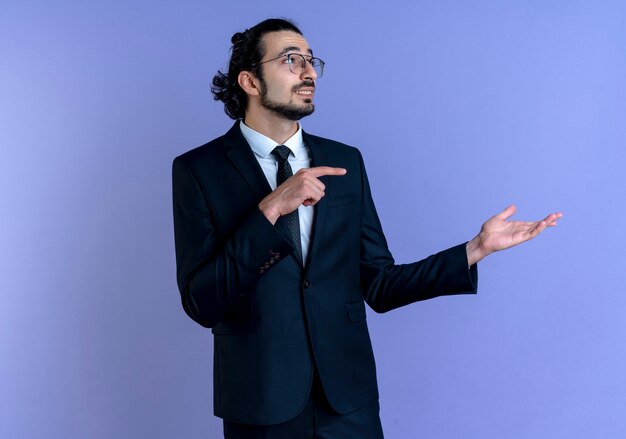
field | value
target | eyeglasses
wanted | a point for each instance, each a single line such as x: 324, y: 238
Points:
x: 297, y: 63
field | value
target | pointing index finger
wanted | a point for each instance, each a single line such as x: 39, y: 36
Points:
x: 320, y: 171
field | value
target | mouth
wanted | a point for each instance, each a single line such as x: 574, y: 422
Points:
x: 305, y: 89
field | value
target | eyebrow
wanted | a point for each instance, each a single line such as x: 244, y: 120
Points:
x: 291, y: 49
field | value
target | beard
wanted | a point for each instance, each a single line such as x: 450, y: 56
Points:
x: 288, y: 111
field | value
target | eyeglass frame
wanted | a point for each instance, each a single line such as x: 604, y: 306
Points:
x: 302, y: 66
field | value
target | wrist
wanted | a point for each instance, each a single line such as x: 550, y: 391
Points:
x: 475, y: 250
x: 271, y: 213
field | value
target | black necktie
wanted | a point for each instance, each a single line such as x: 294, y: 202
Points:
x: 291, y: 220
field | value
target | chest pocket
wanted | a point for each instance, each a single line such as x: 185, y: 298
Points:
x: 342, y: 200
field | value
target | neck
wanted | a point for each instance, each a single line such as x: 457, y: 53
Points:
x: 276, y: 128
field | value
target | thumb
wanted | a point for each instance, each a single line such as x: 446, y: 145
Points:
x: 507, y: 213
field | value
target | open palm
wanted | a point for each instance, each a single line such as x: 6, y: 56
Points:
x: 498, y: 233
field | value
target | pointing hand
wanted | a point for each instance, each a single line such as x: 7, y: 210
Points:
x: 304, y: 187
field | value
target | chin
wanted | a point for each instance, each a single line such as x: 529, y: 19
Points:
x: 289, y: 111
x: 298, y: 116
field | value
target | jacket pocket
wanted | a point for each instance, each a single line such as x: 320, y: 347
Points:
x: 238, y: 324
x: 356, y: 311
x: 342, y: 200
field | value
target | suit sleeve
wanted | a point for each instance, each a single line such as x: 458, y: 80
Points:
x: 215, y: 273
x: 387, y: 286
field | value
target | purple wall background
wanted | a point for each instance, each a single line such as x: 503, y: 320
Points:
x: 459, y: 110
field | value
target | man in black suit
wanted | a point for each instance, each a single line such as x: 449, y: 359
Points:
x: 278, y: 245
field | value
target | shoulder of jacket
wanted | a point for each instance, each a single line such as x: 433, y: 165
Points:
x: 334, y: 145
x: 215, y: 146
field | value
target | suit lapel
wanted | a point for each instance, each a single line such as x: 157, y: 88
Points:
x: 319, y: 157
x: 243, y: 159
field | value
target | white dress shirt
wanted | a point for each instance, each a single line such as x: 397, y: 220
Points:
x: 262, y: 146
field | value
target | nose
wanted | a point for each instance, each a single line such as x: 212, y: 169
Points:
x: 308, y: 72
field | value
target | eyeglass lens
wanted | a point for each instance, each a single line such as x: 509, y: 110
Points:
x: 297, y: 63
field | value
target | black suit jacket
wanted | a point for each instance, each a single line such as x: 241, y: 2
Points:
x: 273, y: 319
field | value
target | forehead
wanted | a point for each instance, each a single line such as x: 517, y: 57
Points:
x: 277, y: 43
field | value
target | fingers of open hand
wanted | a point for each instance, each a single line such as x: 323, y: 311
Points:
x: 551, y: 220
x: 536, y: 228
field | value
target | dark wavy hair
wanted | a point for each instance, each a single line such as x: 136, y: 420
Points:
x: 246, y: 53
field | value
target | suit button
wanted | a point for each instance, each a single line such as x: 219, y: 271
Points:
x: 306, y: 284
x: 274, y: 254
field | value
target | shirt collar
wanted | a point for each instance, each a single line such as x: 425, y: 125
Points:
x: 263, y: 146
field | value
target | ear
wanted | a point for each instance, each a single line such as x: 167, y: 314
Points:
x: 249, y: 83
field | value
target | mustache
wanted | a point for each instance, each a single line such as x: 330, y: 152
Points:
x: 306, y: 83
